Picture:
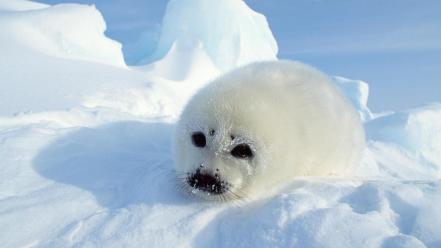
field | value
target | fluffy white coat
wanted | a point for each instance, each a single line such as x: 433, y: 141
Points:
x: 293, y: 118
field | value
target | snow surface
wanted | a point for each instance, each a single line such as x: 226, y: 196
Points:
x: 86, y: 160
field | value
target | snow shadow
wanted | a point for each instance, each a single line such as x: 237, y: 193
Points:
x: 121, y: 164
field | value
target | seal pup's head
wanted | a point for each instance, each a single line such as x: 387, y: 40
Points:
x: 217, y: 149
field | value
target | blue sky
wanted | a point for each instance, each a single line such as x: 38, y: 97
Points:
x: 394, y: 45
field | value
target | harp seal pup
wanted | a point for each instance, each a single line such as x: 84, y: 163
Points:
x: 262, y: 125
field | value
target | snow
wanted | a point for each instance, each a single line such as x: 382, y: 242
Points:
x: 357, y: 92
x: 418, y: 131
x: 56, y: 31
x: 185, y: 61
x: 86, y: 159
x: 241, y: 38
x: 20, y: 5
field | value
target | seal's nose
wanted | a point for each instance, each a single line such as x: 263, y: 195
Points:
x: 206, y: 182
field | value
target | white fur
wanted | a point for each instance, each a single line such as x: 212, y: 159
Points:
x: 293, y: 117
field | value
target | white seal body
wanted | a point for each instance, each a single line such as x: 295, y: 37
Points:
x: 264, y: 124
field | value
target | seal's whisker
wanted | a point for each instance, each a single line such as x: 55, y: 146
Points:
x: 224, y: 197
x: 235, y: 195
x: 240, y: 195
x: 182, y: 178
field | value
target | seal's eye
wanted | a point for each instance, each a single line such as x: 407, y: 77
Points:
x: 242, y: 151
x: 198, y: 139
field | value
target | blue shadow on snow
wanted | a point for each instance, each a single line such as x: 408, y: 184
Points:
x: 123, y: 163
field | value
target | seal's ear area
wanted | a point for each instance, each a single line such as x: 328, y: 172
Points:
x: 242, y: 151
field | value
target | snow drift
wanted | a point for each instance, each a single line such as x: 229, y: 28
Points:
x: 357, y: 93
x: 57, y: 31
x: 418, y: 131
x: 243, y: 37
x: 21, y: 5
x: 85, y: 144
x: 57, y: 57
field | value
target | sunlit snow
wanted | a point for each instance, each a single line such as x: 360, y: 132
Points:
x: 85, y: 143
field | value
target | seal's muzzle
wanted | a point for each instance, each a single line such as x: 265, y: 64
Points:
x: 207, y: 182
